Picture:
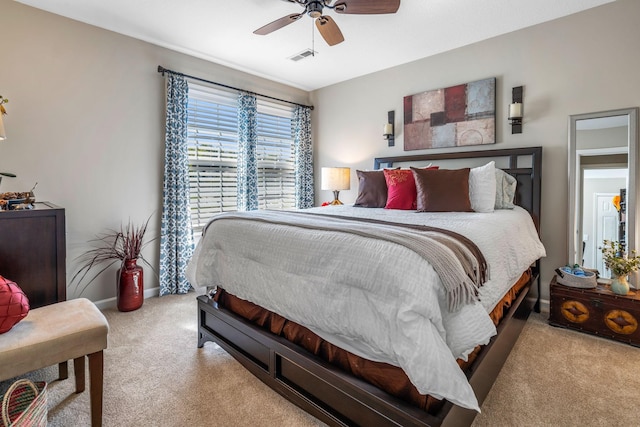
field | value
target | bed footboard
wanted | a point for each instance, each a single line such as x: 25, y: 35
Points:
x: 317, y: 387
x: 337, y: 398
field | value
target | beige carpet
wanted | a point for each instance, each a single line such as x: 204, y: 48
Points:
x: 156, y: 376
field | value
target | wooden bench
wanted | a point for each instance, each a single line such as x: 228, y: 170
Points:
x: 55, y: 334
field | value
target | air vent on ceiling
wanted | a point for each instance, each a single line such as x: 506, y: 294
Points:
x: 305, y: 53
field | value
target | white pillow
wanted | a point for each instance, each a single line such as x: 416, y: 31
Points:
x: 505, y: 190
x: 482, y: 187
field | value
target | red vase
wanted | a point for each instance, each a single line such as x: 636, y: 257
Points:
x: 130, y: 292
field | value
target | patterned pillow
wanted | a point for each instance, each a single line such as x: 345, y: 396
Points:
x: 14, y: 305
x: 401, y: 189
x: 444, y: 190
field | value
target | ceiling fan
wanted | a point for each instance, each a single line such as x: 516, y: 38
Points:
x: 326, y: 25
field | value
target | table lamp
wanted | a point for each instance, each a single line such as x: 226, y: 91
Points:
x: 336, y: 179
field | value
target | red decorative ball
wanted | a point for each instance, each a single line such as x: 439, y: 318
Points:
x: 14, y: 304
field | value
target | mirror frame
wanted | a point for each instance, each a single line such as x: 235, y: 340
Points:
x: 633, y: 176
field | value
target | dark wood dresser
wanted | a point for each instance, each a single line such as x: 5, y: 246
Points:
x: 596, y: 311
x: 33, y: 252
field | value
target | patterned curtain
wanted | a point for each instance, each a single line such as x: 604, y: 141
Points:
x: 176, y: 242
x: 303, y: 157
x: 247, y: 159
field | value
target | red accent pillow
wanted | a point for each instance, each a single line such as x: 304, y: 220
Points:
x: 14, y: 304
x: 401, y: 188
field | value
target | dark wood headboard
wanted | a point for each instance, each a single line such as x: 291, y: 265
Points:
x: 528, y: 193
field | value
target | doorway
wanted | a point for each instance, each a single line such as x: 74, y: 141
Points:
x: 600, y: 219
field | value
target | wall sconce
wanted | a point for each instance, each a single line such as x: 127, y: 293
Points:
x: 336, y: 179
x: 3, y: 134
x: 389, y: 128
x: 515, y: 110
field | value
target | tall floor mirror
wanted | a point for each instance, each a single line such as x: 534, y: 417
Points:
x: 603, y: 184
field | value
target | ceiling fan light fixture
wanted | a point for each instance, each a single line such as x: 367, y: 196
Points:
x: 314, y: 9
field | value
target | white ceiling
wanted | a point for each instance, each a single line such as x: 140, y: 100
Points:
x: 222, y: 31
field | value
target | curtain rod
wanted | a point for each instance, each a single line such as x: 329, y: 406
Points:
x: 163, y: 70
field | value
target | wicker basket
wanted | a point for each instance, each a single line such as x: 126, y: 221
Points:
x: 588, y: 281
x: 25, y: 404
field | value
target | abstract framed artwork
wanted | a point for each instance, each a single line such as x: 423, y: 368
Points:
x: 455, y: 116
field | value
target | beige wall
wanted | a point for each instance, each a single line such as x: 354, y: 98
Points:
x: 86, y: 121
x: 590, y: 139
x: 86, y: 113
x: 583, y: 63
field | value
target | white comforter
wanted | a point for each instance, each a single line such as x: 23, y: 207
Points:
x: 376, y: 299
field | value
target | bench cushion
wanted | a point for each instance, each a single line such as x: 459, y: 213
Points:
x: 52, y: 334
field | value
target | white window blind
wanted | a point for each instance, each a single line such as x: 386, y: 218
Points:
x: 276, y: 174
x: 212, y: 140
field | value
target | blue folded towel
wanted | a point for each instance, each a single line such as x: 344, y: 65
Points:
x: 576, y: 271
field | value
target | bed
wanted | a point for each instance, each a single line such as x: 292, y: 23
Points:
x: 422, y: 328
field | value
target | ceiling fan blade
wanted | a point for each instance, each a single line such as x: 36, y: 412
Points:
x: 367, y: 7
x: 329, y: 30
x: 277, y: 24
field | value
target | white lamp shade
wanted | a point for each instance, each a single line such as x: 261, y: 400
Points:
x: 336, y: 179
x: 3, y: 135
x: 388, y: 129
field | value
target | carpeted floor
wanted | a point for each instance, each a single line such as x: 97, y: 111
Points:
x: 156, y: 376
x: 559, y: 377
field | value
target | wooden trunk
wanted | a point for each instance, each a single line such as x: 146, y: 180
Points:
x: 596, y: 311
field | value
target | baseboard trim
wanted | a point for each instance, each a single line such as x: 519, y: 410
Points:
x: 544, y: 305
x: 111, y: 302
x: 154, y: 292
x: 148, y: 293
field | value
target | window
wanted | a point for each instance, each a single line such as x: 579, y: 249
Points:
x: 276, y: 174
x: 212, y: 141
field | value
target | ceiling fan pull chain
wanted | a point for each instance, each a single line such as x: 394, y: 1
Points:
x: 313, y: 39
